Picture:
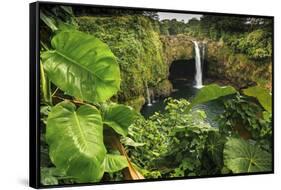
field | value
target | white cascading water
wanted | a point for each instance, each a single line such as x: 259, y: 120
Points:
x: 148, y: 95
x: 198, y: 67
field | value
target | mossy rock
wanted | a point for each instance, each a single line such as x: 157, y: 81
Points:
x: 236, y: 67
x: 136, y: 103
x: 177, y: 47
x: 163, y: 89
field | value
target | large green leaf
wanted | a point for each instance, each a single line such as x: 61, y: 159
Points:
x: 262, y: 95
x: 240, y: 156
x: 49, y: 21
x: 45, y: 85
x: 212, y: 92
x: 82, y: 66
x: 75, y: 139
x: 214, y: 146
x: 119, y: 117
x: 114, y: 163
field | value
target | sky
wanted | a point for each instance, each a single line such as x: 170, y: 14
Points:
x: 178, y: 16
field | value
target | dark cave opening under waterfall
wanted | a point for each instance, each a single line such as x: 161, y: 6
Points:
x: 183, y: 69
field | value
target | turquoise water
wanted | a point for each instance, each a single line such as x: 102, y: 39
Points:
x: 185, y: 89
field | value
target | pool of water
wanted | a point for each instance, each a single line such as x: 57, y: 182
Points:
x: 184, y: 89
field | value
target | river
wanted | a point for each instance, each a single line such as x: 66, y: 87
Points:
x: 185, y: 89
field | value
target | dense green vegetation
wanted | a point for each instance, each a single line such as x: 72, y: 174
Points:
x: 134, y: 42
x: 96, y: 70
x: 251, y: 36
x: 76, y: 135
x: 185, y: 144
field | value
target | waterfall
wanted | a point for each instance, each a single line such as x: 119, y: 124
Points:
x: 151, y: 92
x: 198, y: 66
x: 148, y: 95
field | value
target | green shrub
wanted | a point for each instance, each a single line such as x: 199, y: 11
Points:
x: 256, y: 44
x: 174, y: 141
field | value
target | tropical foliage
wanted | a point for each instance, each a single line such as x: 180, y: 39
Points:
x: 95, y: 69
x: 186, y: 144
x: 242, y: 157
x: 84, y: 68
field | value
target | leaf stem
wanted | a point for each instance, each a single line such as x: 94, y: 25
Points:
x: 44, y: 45
x: 55, y: 92
x: 74, y: 101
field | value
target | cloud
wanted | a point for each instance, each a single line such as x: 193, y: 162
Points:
x: 178, y: 16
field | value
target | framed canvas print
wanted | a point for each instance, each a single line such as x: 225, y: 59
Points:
x: 120, y: 94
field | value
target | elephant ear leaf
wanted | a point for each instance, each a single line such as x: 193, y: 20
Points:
x: 82, y: 66
x: 214, y: 146
x: 262, y: 95
x: 119, y: 118
x: 75, y: 139
x: 242, y: 157
x: 212, y: 92
x: 114, y: 163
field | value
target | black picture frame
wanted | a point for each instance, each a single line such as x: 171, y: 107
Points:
x: 34, y: 92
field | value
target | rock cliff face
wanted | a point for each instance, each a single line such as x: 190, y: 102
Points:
x: 237, y: 68
x: 177, y: 48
